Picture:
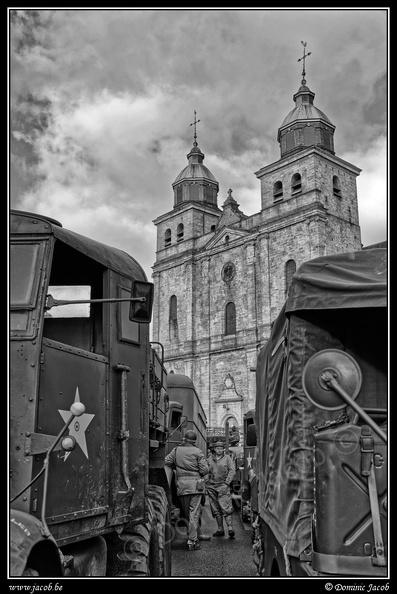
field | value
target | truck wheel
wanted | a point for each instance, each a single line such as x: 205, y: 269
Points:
x: 145, y: 549
x: 140, y: 551
x: 159, y: 500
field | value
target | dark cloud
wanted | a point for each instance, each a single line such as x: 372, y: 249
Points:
x: 102, y: 102
x: 375, y: 109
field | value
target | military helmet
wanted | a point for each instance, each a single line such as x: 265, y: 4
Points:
x: 190, y: 436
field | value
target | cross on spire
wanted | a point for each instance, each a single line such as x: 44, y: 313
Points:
x: 195, y: 124
x: 305, y: 55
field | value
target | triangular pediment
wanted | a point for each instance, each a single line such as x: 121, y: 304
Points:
x: 220, y: 237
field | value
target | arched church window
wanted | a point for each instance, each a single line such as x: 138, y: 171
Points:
x: 179, y: 194
x: 173, y: 318
x: 230, y: 318
x: 167, y: 238
x: 213, y: 227
x: 336, y: 186
x: 179, y: 232
x: 229, y: 423
x: 290, y: 268
x: 296, y: 184
x: 277, y: 190
x: 173, y: 308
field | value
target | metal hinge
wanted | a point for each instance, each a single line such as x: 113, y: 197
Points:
x: 343, y: 418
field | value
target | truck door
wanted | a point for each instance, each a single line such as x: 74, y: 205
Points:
x: 77, y: 485
x: 74, y: 366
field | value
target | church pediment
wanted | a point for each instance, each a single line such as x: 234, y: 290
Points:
x: 225, y: 235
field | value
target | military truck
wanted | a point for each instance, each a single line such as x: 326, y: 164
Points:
x: 87, y: 409
x: 249, y: 483
x: 185, y: 412
x: 321, y: 423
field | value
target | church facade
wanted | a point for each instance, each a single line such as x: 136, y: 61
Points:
x: 221, y: 277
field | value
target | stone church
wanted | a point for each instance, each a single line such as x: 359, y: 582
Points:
x: 221, y: 277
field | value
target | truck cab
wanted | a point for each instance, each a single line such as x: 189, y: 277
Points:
x: 78, y: 338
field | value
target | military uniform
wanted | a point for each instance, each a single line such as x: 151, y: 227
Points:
x: 190, y: 466
x: 221, y: 473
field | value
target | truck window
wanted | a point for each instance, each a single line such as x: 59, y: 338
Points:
x: 128, y: 331
x: 25, y: 265
x: 74, y: 275
x: 69, y: 292
x: 175, y: 419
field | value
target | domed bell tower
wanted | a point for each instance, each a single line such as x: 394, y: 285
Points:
x: 310, y: 182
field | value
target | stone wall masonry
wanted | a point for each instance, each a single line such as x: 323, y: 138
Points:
x: 287, y: 168
x: 299, y: 227
x: 317, y: 171
x: 344, y: 206
x: 197, y: 223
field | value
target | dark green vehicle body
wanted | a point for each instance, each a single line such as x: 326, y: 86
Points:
x: 96, y: 355
x: 322, y: 470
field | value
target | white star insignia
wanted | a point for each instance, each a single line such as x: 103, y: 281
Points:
x: 249, y: 458
x: 77, y: 427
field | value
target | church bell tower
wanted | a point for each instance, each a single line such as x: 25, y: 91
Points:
x: 221, y: 277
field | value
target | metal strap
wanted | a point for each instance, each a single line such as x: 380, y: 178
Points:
x: 379, y: 552
x: 367, y: 449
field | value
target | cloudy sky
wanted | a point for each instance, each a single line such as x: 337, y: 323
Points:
x: 101, y: 102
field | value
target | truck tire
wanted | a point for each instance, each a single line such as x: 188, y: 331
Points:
x: 144, y: 550
x: 160, y: 503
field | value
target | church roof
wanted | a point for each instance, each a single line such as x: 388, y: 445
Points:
x: 195, y: 171
x: 304, y: 109
x: 195, y: 168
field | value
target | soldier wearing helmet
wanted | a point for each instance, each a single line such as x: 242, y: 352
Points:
x: 190, y: 468
x: 221, y: 473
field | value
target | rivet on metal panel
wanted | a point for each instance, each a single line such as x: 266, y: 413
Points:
x: 367, y: 549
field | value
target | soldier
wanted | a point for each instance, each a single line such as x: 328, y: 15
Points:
x: 191, y: 467
x: 221, y: 472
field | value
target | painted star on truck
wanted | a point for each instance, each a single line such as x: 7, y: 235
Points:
x: 77, y: 427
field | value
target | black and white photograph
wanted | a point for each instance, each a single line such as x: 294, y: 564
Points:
x: 198, y: 313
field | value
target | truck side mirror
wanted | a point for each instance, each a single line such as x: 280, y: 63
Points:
x: 251, y: 435
x: 141, y: 311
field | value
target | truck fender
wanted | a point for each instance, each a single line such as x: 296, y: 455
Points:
x: 25, y: 535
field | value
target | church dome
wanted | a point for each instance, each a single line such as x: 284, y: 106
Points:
x: 195, y: 168
x: 305, y: 125
x: 196, y: 183
x: 304, y: 109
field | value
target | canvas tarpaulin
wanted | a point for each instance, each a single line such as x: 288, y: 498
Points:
x: 317, y: 315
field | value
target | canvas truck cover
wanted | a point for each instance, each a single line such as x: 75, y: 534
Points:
x: 337, y: 301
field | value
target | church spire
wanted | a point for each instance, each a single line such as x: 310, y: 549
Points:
x: 305, y: 55
x: 195, y: 132
x: 305, y: 125
x: 195, y: 183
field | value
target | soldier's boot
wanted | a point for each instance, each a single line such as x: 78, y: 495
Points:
x: 230, y: 527
x: 220, y: 531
